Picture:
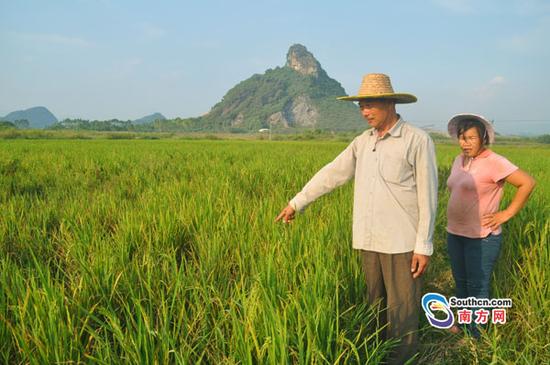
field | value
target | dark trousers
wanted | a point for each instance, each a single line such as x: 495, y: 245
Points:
x: 391, y: 286
x: 472, y: 263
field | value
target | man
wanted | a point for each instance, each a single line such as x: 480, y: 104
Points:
x: 395, y: 200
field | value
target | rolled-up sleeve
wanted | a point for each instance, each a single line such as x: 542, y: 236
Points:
x: 426, y: 189
x: 331, y: 176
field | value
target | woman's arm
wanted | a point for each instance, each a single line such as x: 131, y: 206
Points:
x: 524, y: 184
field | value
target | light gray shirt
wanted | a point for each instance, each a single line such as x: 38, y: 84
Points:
x: 395, y: 192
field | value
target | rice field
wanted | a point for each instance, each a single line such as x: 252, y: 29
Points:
x: 166, y: 252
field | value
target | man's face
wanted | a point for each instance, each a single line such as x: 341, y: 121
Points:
x: 376, y: 112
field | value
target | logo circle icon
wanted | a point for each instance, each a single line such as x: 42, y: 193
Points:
x: 436, y: 302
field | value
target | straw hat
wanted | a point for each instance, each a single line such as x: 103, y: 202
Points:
x: 378, y: 86
x: 452, y: 126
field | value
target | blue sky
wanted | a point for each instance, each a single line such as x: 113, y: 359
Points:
x: 102, y: 59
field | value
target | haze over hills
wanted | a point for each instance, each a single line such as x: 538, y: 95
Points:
x: 149, y: 118
x: 297, y: 96
x: 38, y: 117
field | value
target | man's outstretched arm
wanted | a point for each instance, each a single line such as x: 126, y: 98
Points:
x: 334, y: 174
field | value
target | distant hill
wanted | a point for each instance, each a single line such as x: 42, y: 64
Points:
x: 298, y: 95
x: 149, y: 118
x: 38, y: 117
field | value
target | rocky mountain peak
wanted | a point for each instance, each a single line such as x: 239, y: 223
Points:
x: 302, y: 61
x: 299, y: 95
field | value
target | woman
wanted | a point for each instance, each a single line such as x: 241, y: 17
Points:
x: 474, y: 220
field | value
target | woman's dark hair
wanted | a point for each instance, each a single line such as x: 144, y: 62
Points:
x: 466, y: 124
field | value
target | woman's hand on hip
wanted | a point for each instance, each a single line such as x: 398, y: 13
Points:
x: 494, y: 220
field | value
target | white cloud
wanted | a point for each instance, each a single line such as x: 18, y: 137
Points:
x: 206, y: 44
x: 497, y: 80
x: 532, y: 40
x: 133, y: 62
x: 490, y: 88
x: 531, y: 7
x: 100, y: 2
x: 151, y: 31
x: 53, y: 39
x: 456, y: 6
x: 496, y: 7
x: 172, y: 76
x: 516, y: 43
x: 126, y: 68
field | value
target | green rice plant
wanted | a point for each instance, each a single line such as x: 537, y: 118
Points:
x: 165, y: 251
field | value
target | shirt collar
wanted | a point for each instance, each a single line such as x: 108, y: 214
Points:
x: 486, y: 152
x: 395, y: 131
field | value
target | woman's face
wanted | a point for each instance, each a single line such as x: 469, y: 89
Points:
x: 470, y: 142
